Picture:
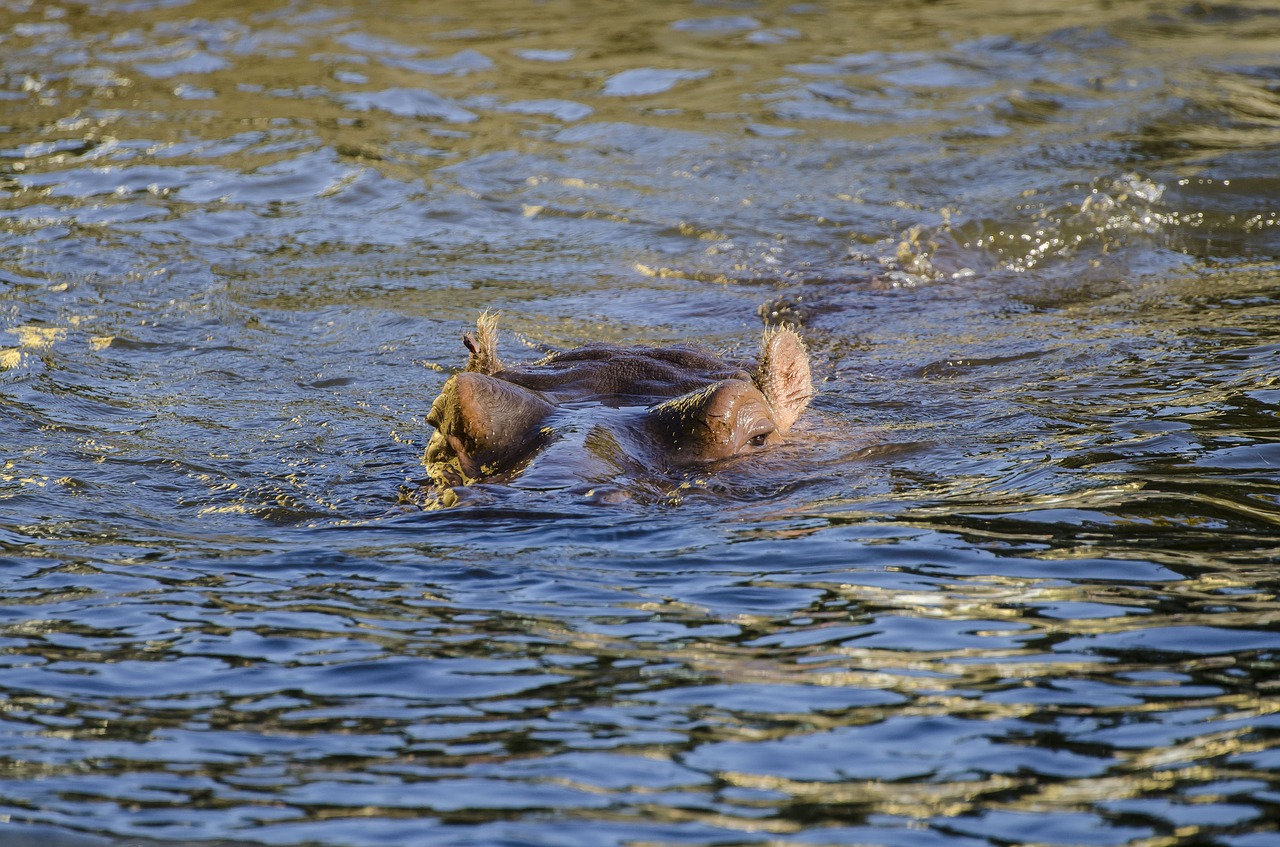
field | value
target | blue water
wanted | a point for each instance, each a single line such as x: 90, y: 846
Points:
x: 1013, y: 581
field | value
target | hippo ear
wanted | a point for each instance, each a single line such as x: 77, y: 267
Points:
x: 484, y: 423
x: 483, y: 344
x: 783, y: 376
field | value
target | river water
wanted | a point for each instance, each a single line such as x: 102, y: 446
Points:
x: 1014, y: 582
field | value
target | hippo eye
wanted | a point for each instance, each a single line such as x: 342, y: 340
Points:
x: 760, y: 435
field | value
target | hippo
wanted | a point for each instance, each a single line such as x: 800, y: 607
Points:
x: 602, y: 414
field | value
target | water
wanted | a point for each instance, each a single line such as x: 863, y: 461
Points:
x: 1015, y: 583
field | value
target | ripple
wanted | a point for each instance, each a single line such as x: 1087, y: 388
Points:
x: 196, y: 62
x: 717, y: 25
x: 645, y: 82
x: 408, y: 102
x: 459, y: 64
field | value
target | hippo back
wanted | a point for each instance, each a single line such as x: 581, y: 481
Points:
x: 603, y: 371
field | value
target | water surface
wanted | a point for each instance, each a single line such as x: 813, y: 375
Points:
x: 1014, y: 584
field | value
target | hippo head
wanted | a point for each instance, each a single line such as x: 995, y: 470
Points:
x: 601, y: 411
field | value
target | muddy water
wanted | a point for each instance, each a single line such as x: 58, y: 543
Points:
x: 1015, y: 582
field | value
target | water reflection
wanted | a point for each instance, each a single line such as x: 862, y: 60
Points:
x: 1013, y: 584
x: 806, y: 693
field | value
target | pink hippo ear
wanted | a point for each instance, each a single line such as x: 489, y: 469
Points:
x: 783, y: 376
x: 484, y: 423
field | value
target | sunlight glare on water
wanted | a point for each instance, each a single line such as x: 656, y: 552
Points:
x: 1011, y: 582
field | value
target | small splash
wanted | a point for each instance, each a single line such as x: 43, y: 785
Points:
x: 1110, y: 214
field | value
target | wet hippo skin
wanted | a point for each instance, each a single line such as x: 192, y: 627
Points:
x: 600, y: 411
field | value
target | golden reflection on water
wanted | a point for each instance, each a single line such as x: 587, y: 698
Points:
x: 172, y: 74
